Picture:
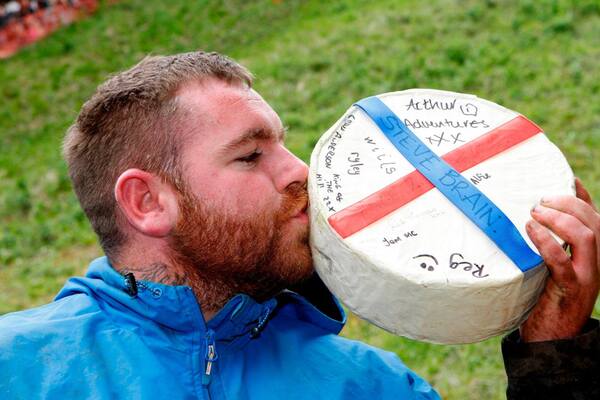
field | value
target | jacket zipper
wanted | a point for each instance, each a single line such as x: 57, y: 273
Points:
x: 210, y: 357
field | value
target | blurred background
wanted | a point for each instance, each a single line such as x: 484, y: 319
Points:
x: 312, y: 60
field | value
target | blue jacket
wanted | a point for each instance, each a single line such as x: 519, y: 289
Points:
x: 100, y: 340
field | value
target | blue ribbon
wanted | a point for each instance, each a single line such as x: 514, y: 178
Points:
x: 459, y: 190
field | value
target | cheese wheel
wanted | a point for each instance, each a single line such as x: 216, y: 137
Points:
x: 401, y: 255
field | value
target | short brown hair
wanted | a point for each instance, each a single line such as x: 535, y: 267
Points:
x: 131, y: 122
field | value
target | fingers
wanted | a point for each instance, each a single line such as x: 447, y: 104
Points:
x: 554, y: 255
x: 572, y: 230
x: 582, y: 193
x: 578, y: 208
x: 582, y: 209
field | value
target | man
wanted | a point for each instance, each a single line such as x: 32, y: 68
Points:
x: 207, y: 290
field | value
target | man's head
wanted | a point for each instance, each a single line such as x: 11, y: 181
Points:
x: 180, y: 154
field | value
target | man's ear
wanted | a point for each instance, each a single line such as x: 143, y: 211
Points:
x: 149, y: 204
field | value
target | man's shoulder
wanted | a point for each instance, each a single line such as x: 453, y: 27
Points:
x: 361, y: 353
x: 75, y: 348
x: 301, y: 322
x: 350, y: 368
x: 55, y: 318
x: 334, y: 349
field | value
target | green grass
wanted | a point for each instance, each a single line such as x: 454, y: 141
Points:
x: 312, y: 59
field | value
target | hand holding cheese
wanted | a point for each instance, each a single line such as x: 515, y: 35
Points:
x: 572, y: 288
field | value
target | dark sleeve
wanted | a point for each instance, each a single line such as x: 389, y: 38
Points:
x: 557, y: 369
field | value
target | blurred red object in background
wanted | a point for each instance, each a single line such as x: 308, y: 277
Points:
x: 27, y: 21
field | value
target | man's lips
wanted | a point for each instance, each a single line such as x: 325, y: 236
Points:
x: 301, y: 214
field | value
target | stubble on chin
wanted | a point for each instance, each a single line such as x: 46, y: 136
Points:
x: 224, y: 255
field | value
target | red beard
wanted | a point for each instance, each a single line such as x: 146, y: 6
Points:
x: 224, y: 255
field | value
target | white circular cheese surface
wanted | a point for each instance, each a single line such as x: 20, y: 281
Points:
x: 404, y: 257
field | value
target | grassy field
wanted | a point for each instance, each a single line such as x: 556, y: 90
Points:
x: 312, y: 59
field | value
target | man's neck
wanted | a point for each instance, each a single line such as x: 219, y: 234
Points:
x: 156, y: 272
x: 211, y: 295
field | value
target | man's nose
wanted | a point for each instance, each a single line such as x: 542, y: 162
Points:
x: 291, y: 170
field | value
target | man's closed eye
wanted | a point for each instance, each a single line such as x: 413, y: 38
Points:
x: 252, y: 158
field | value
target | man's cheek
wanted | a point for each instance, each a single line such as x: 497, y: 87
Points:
x: 256, y: 204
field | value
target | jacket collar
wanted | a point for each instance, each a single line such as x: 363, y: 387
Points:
x: 176, y: 307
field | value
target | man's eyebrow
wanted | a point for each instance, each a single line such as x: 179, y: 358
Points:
x: 251, y: 135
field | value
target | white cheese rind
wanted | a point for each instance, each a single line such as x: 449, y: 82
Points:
x: 374, y: 271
